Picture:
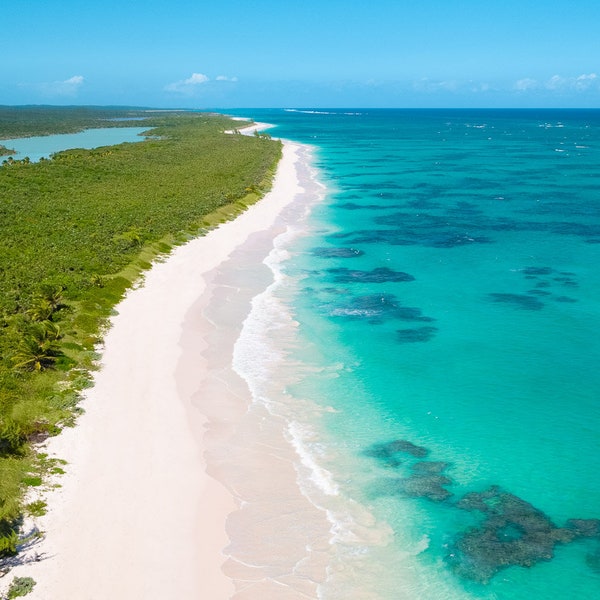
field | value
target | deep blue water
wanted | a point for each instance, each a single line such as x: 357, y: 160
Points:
x: 448, y: 300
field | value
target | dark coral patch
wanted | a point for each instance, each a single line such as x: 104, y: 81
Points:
x: 330, y: 290
x: 546, y: 277
x: 408, y: 448
x: 423, y: 204
x: 584, y: 528
x: 426, y: 480
x: 431, y: 236
x: 387, y: 452
x: 417, y: 334
x: 377, y: 308
x: 378, y: 275
x: 513, y: 533
x: 593, y: 561
x: 565, y: 299
x: 430, y: 467
x: 538, y: 270
x: 464, y: 209
x: 522, y: 301
x: 509, y: 532
x: 429, y: 486
x: 373, y: 306
x: 408, y: 313
x: 461, y: 225
x: 458, y: 239
x: 355, y: 206
x: 337, y: 252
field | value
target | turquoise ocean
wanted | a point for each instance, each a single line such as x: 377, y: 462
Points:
x: 446, y: 398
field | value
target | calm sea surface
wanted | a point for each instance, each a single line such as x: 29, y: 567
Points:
x: 448, y: 301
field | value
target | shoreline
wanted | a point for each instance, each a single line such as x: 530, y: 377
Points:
x: 279, y: 539
x: 140, y: 512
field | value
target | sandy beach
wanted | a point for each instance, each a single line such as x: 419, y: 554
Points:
x: 177, y: 485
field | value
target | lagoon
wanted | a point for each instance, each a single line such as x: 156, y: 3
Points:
x: 43, y: 146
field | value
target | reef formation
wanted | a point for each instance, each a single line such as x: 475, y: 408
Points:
x: 507, y: 531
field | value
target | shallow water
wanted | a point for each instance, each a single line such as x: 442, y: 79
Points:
x: 445, y: 358
x: 43, y: 146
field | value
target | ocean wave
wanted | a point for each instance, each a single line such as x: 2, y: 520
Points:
x: 354, y: 312
x: 305, y: 445
x: 263, y: 357
x: 309, y: 112
x: 322, y: 112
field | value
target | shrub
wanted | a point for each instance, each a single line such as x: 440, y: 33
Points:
x: 20, y: 586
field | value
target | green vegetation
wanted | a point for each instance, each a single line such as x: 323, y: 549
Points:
x: 77, y: 231
x: 20, y: 586
x: 5, y: 151
x: 264, y: 136
x: 36, y: 508
x: 25, y: 121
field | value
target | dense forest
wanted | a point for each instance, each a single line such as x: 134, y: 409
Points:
x: 77, y: 231
x: 25, y: 121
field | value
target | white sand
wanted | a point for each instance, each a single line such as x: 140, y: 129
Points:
x: 250, y: 129
x: 137, y: 517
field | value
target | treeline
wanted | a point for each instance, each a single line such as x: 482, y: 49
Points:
x: 25, y: 121
x: 77, y: 230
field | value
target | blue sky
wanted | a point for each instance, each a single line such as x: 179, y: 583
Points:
x: 267, y: 53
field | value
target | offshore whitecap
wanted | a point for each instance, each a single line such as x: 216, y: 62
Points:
x: 437, y: 326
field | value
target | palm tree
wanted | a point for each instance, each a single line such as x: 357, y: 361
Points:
x: 39, y: 349
x: 54, y: 295
x: 48, y: 301
x: 40, y: 310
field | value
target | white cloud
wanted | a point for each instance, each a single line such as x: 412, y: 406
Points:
x: 76, y: 80
x: 481, y: 87
x: 556, y: 82
x: 68, y: 87
x: 581, y: 83
x: 427, y: 85
x: 526, y: 84
x: 187, y: 86
x: 195, y: 79
x: 453, y: 86
x: 225, y: 78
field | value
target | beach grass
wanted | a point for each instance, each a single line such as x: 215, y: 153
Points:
x: 78, y: 232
